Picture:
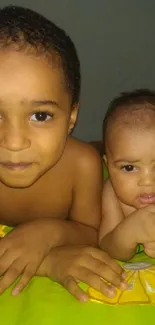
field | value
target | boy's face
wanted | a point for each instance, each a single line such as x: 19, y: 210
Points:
x: 131, y: 164
x: 35, y: 117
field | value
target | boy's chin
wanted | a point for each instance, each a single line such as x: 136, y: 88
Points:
x: 18, y: 180
x: 18, y: 183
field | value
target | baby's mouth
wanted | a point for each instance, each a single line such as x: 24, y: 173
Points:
x: 147, y: 198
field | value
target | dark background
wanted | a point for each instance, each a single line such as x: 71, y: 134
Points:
x: 115, y: 40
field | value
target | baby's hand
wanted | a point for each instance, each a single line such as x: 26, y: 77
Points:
x: 21, y: 253
x: 73, y: 264
x: 149, y: 249
x: 143, y: 226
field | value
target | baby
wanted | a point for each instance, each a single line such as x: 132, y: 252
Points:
x: 128, y: 200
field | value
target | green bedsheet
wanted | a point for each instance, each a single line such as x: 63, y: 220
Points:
x: 44, y: 302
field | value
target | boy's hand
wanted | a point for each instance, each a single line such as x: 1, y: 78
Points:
x: 21, y: 253
x: 70, y: 265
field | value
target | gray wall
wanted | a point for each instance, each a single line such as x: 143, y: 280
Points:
x: 116, y: 45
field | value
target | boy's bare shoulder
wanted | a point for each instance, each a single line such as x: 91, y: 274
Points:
x: 81, y: 155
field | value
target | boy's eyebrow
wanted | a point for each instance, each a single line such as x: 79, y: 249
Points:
x: 44, y: 103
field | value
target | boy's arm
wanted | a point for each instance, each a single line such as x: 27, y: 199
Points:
x: 116, y: 231
x: 23, y: 250
x: 85, y: 215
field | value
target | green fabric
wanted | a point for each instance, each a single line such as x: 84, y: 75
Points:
x: 47, y: 303
x: 105, y: 172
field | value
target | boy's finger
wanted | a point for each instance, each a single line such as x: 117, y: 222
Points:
x: 3, y: 246
x: 96, y: 282
x: 102, y: 270
x: 105, y: 258
x: 72, y: 286
x: 6, y: 260
x: 10, y: 276
x: 27, y: 275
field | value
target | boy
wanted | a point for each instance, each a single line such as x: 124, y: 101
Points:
x: 50, y: 183
x: 128, y: 200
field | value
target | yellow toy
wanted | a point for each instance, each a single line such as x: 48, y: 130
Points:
x: 141, y: 290
x: 2, y: 231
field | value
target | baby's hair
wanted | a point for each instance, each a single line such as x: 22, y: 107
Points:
x: 24, y: 29
x: 127, y: 103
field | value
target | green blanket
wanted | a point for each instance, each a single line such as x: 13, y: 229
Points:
x: 44, y: 302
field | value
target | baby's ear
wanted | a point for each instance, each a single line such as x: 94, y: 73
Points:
x: 105, y: 159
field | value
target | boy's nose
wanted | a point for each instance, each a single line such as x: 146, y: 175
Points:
x: 14, y: 139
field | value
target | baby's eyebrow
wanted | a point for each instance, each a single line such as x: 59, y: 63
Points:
x: 126, y: 161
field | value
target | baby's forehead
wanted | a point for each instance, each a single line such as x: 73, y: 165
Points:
x: 140, y: 116
x: 129, y: 121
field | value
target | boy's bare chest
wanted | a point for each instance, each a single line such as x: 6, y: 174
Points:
x: 53, y: 200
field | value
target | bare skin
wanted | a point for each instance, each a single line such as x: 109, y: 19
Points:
x: 128, y: 199
x: 50, y: 183
x: 69, y: 265
x: 62, y: 192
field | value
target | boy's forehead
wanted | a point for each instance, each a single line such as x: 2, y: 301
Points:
x: 50, y: 60
x: 35, y: 72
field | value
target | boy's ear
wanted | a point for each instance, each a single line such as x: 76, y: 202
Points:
x: 73, y: 117
x: 105, y: 159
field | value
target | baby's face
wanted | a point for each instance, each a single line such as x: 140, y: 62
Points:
x: 131, y: 164
x: 35, y: 117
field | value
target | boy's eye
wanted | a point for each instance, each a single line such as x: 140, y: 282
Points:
x: 41, y: 116
x: 129, y: 168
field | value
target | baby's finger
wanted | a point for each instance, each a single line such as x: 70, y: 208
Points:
x: 150, y: 245
x: 27, y: 275
x: 150, y: 252
x: 72, y: 286
x: 11, y: 275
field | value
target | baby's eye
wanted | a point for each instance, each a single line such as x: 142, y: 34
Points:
x: 41, y: 117
x: 129, y: 168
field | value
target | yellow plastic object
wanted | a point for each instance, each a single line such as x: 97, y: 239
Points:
x: 141, y: 290
x: 2, y: 232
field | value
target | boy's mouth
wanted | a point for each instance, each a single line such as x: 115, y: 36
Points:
x: 147, y: 198
x: 15, y: 166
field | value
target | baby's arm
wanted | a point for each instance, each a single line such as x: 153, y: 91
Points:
x: 116, y: 231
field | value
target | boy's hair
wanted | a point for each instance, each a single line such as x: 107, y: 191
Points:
x: 128, y: 102
x: 24, y: 29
